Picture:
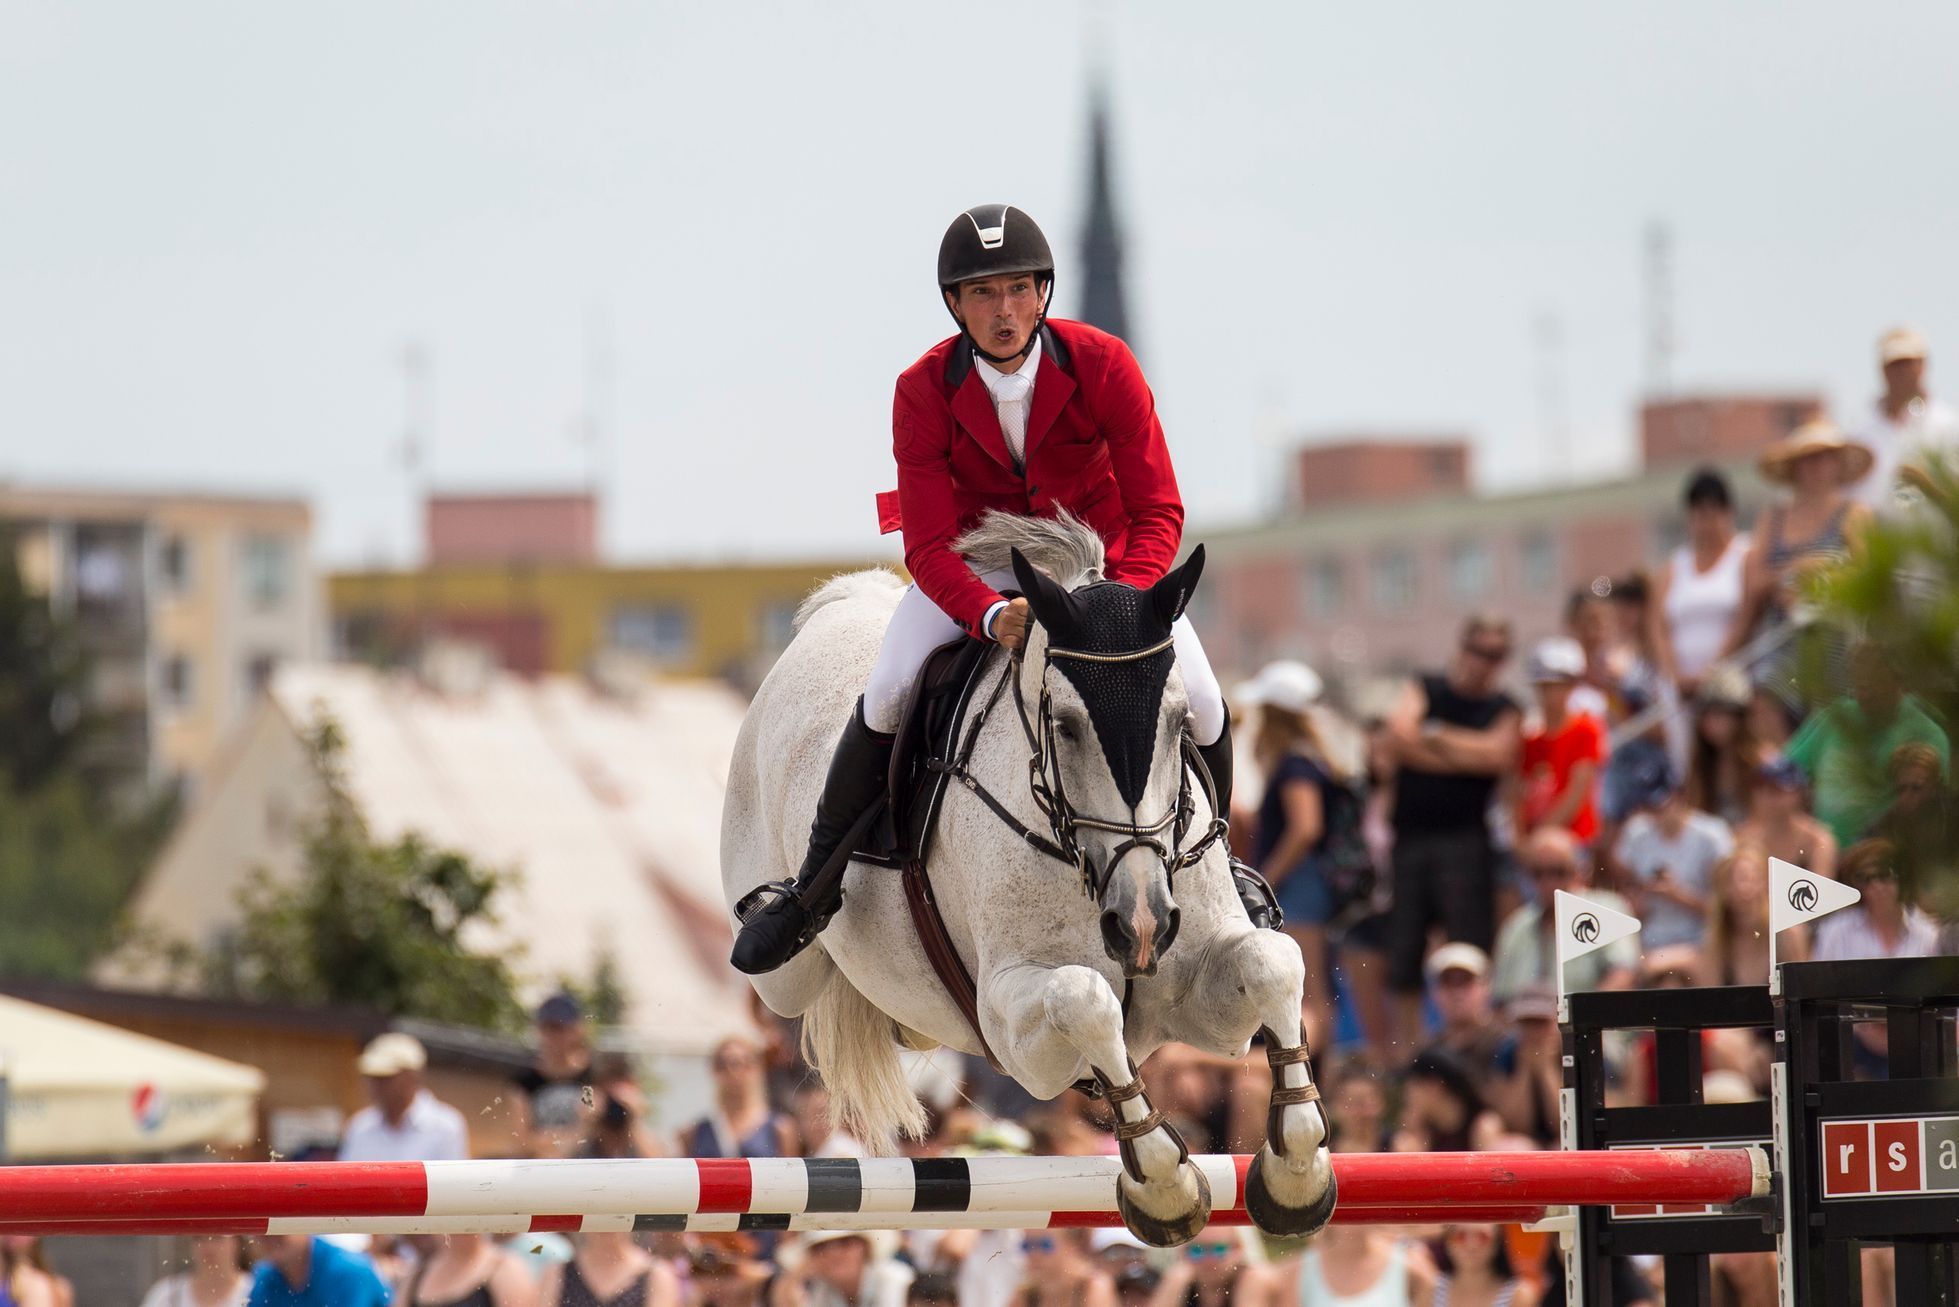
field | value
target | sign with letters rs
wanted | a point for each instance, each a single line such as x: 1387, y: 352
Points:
x: 1894, y: 1157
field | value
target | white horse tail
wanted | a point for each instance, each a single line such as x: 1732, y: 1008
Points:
x: 853, y: 1046
x: 872, y: 582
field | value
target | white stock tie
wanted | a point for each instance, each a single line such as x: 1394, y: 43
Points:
x: 1010, y: 401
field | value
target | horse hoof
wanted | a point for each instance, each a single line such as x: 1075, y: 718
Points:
x: 1279, y: 1220
x: 1166, y: 1232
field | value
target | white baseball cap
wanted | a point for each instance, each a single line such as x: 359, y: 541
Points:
x: 1559, y: 658
x: 393, y: 1053
x: 1287, y: 683
x: 1901, y: 343
x: 1458, y: 956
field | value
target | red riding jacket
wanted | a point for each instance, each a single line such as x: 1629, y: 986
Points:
x: 1094, y: 447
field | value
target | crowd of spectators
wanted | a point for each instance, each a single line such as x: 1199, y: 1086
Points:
x: 1654, y: 757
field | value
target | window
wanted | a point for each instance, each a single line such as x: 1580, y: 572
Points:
x: 1471, y: 574
x: 1540, y: 564
x: 258, y: 673
x: 174, y: 562
x: 179, y: 681
x: 1394, y: 582
x: 663, y: 632
x: 778, y: 625
x: 266, y: 566
x: 1326, y: 587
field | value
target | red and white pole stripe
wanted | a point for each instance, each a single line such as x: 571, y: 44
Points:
x: 971, y: 1192
x: 721, y: 1223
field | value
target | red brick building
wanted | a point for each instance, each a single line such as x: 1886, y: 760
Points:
x: 1385, y: 548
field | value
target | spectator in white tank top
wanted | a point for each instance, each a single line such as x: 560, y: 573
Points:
x: 1700, y: 588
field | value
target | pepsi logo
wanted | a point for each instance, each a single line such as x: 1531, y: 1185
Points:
x: 149, y: 1106
x: 1585, y: 928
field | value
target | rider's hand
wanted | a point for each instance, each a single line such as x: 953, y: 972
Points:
x: 1010, y: 624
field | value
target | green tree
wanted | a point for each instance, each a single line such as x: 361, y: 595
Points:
x: 68, y: 857
x: 380, y: 925
x: 43, y: 678
x: 1900, y: 593
x: 64, y: 876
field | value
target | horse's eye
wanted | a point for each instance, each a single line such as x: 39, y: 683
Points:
x: 1065, y: 729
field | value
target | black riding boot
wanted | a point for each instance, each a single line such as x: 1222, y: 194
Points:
x: 1253, y: 890
x: 779, y: 919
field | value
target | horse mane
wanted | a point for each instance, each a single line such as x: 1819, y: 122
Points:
x: 1063, y: 546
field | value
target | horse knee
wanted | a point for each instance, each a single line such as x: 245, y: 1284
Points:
x: 1085, y: 1011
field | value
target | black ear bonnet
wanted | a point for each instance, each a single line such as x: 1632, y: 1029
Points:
x: 1123, y: 697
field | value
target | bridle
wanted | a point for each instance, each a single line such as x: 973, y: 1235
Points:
x: 1044, y: 783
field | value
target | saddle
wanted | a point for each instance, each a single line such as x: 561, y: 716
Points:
x: 929, y: 734
x: 934, y: 725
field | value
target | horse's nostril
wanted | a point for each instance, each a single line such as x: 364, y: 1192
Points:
x: 1116, y: 938
x: 1168, y: 935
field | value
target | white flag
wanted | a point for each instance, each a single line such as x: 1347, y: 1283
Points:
x: 1585, y: 927
x: 1796, y: 896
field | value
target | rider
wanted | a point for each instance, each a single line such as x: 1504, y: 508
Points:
x: 1025, y: 414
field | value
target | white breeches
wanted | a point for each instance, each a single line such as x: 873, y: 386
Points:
x: 918, y: 627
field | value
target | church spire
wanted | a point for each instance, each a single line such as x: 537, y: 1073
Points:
x: 1103, y: 303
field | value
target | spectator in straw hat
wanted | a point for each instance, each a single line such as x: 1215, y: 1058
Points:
x: 1815, y: 528
x: 1906, y: 423
x: 404, y: 1122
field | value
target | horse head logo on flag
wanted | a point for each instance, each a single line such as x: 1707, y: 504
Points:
x: 1802, y: 895
x: 1585, y: 928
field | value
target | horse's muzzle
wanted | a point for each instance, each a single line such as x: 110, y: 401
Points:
x: 1136, y: 956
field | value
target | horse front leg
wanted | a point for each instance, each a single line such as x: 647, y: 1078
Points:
x: 1044, y: 1024
x: 1255, y: 981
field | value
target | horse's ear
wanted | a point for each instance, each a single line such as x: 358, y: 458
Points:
x: 1049, y: 601
x: 1172, y: 593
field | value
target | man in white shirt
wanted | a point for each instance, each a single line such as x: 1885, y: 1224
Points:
x: 1525, y: 952
x: 1905, y: 423
x: 406, y: 1122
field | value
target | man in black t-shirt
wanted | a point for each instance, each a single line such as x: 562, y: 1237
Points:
x: 554, y: 1105
x: 1454, y: 736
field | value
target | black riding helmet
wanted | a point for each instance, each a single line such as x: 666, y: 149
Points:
x: 995, y: 240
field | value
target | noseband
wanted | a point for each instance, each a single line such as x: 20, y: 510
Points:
x: 1050, y: 795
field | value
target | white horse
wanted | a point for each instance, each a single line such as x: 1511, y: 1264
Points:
x: 1051, y: 945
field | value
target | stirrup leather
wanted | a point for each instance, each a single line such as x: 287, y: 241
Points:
x: 1245, y: 877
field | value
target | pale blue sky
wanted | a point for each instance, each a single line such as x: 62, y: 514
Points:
x: 222, y: 222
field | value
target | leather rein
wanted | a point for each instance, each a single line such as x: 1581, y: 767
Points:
x: 1050, y: 795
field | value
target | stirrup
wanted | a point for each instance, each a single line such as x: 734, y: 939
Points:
x: 749, y: 905
x: 1255, y: 892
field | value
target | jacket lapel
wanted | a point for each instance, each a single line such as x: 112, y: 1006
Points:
x: 974, y: 408
x: 1052, y: 389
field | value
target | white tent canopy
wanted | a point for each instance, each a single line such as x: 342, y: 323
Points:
x: 79, y: 1088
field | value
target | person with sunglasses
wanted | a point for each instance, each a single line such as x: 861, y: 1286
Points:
x: 1061, y: 1271
x: 1453, y: 735
x: 1222, y: 1267
x: 1880, y: 925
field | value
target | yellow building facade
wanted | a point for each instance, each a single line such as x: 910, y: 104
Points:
x: 721, y: 620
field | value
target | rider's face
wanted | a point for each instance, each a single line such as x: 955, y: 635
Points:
x: 999, y: 312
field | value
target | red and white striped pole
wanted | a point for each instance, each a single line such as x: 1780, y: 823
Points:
x: 784, y: 1193
x: 722, y: 1223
